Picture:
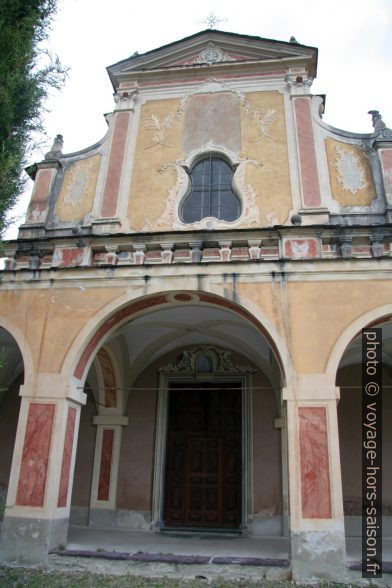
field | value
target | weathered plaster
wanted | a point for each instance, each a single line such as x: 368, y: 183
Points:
x: 77, y: 191
x: 28, y: 540
x: 318, y: 555
x: 149, y: 187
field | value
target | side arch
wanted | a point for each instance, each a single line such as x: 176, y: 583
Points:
x: 371, y: 317
x: 24, y: 348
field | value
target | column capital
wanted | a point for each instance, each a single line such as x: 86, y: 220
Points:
x: 311, y: 388
x: 53, y: 387
x: 111, y: 420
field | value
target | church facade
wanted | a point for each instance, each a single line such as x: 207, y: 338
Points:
x: 181, y: 314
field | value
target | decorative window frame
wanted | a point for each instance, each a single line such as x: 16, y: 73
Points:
x: 250, y: 214
x: 184, y: 372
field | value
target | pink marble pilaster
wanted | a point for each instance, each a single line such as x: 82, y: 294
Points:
x: 35, y: 456
x: 67, y: 455
x: 115, y: 164
x: 386, y: 159
x: 42, y: 185
x: 307, y: 153
x: 106, y: 464
x: 314, y: 463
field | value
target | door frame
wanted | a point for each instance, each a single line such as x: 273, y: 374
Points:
x: 161, y: 437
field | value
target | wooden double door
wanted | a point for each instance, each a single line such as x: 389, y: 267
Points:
x: 203, y: 462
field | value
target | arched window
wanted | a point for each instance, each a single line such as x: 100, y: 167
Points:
x: 211, y: 194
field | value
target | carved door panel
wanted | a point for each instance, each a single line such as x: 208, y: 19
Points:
x: 203, y: 471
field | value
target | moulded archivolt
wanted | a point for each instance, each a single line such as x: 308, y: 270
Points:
x: 171, y: 216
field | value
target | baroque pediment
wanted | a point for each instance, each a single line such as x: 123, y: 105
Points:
x: 209, y: 48
x: 206, y: 359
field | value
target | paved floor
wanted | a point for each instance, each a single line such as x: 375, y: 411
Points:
x: 86, y: 538
x: 124, y: 540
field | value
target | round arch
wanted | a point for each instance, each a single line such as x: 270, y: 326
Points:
x: 23, y: 346
x: 117, y: 313
x: 368, y: 319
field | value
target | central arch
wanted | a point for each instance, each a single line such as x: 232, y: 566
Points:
x: 187, y: 353
x: 141, y: 305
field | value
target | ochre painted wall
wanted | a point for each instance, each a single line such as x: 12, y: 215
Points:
x: 251, y: 126
x: 267, y: 144
x: 150, y: 186
x: 51, y: 319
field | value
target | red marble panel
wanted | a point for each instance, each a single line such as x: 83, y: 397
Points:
x: 42, y: 185
x: 386, y: 158
x: 269, y: 250
x: 300, y: 248
x: 69, y: 257
x: 307, y: 153
x: 112, y: 184
x: 67, y: 456
x: 153, y: 255
x: 35, y: 456
x: 182, y: 253
x: 314, y: 463
x: 106, y: 464
x: 36, y: 212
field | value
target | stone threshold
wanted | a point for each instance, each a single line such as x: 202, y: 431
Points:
x: 174, y: 558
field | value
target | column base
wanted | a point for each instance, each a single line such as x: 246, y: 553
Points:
x: 28, y: 540
x: 318, y: 555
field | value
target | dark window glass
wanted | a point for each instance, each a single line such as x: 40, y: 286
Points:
x: 204, y: 364
x: 211, y: 193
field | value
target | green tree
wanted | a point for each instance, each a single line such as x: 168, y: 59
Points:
x: 27, y: 73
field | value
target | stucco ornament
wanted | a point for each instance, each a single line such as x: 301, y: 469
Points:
x: 159, y: 128
x: 380, y: 128
x: 263, y: 121
x: 212, y: 54
x: 351, y: 174
x: 262, y: 118
x: 57, y: 148
x: 171, y: 216
x: 78, y: 182
x: 221, y: 362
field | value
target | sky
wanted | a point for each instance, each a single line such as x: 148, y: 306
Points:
x: 354, y: 38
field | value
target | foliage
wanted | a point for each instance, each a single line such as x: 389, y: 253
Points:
x: 27, y: 73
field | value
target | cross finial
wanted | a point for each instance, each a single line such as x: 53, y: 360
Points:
x: 212, y: 20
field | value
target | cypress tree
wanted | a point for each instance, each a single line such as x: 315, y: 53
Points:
x: 27, y: 72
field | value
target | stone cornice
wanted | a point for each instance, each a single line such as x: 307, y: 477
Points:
x: 296, y: 243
